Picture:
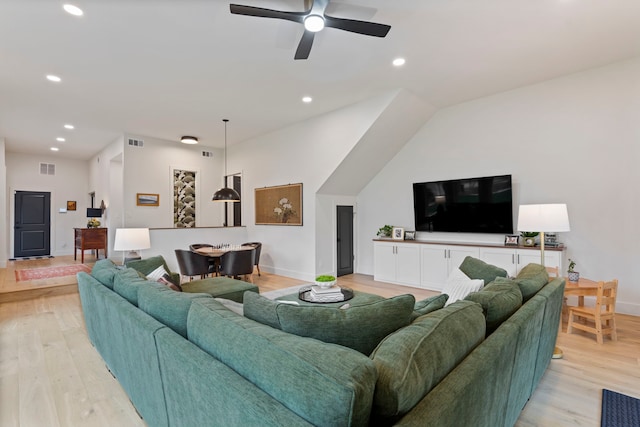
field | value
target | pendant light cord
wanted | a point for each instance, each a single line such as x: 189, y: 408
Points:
x: 225, y: 151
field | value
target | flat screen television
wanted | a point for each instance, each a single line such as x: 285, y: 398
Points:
x: 473, y: 205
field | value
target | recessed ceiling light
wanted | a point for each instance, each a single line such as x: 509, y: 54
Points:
x: 189, y: 140
x: 55, y: 149
x: 53, y: 78
x: 60, y: 139
x: 307, y: 99
x: 69, y: 127
x: 73, y: 10
x: 399, y: 62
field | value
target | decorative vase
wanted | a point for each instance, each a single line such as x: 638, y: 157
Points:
x: 326, y: 285
x: 528, y: 241
x: 574, y: 276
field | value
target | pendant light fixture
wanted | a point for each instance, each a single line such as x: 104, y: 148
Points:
x: 226, y: 194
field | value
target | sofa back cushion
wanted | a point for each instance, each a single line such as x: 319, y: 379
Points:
x: 104, y: 271
x: 414, y: 359
x: 427, y: 305
x: 499, y: 300
x: 360, y: 327
x: 326, y: 384
x: 478, y: 269
x: 127, y: 282
x: 531, y: 279
x: 147, y: 265
x: 167, y: 306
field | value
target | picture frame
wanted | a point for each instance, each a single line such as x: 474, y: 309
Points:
x: 71, y: 205
x: 279, y: 205
x: 410, y: 235
x: 397, y: 233
x: 147, y: 199
x: 511, y: 240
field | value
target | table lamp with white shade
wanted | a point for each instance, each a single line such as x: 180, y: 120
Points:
x: 132, y: 240
x: 552, y: 218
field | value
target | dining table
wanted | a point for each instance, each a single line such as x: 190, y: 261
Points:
x: 215, y: 253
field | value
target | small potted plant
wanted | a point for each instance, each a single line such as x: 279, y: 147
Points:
x: 574, y: 276
x: 529, y: 237
x: 325, y: 281
x: 385, y: 231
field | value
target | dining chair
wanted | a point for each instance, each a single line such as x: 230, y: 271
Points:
x: 238, y: 263
x: 214, y: 262
x: 602, y: 316
x: 192, y: 264
x: 258, y: 247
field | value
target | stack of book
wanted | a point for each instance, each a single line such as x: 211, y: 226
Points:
x: 332, y: 294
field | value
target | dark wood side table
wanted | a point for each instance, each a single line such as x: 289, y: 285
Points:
x: 90, y: 238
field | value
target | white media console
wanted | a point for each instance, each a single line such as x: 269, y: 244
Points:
x: 425, y: 264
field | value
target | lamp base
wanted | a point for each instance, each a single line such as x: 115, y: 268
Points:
x: 557, y: 353
x: 132, y: 256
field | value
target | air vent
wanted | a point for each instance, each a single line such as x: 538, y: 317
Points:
x: 207, y: 154
x: 136, y: 142
x: 47, y: 169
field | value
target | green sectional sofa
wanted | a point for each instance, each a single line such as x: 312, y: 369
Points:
x: 184, y: 359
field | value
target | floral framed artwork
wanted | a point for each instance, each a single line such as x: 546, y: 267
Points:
x: 71, y: 205
x: 279, y: 205
x: 147, y: 199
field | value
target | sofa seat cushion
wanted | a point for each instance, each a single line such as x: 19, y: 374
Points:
x: 427, y: 305
x: 326, y: 384
x: 478, y: 269
x: 221, y: 287
x: 360, y: 327
x: 167, y: 306
x: 104, y: 271
x: 499, y: 300
x: 531, y: 279
x: 414, y: 359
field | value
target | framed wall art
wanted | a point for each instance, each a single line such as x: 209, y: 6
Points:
x: 397, y: 233
x: 147, y: 199
x: 279, y: 205
x: 71, y: 205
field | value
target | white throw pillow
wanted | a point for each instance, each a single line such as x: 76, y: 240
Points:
x: 459, y: 285
x: 157, y: 274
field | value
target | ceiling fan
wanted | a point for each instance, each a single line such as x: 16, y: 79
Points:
x: 314, y: 19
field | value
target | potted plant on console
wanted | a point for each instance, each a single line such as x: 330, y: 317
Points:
x: 529, y: 237
x: 385, y: 231
x: 574, y: 276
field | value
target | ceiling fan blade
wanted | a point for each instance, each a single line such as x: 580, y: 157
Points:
x: 260, y: 12
x: 304, y: 48
x: 354, y: 26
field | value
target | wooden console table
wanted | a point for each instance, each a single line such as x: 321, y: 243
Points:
x: 90, y: 238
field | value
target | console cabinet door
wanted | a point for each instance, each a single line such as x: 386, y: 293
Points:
x: 457, y: 254
x: 551, y: 258
x: 502, y: 257
x: 408, y: 264
x: 384, y: 262
x: 435, y: 266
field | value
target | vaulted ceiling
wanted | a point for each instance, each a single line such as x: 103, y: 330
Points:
x: 166, y: 68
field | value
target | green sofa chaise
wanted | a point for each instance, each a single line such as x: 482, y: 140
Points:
x: 184, y: 359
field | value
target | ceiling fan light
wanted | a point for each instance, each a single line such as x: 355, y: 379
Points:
x: 189, y: 140
x: 314, y: 23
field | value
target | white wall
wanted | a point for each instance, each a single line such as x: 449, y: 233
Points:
x: 23, y: 174
x: 148, y: 169
x: 306, y: 152
x: 4, y: 211
x: 572, y: 140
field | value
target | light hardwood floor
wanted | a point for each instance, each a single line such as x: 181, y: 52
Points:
x: 50, y: 375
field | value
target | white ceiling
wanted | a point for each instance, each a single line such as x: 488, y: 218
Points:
x: 164, y: 68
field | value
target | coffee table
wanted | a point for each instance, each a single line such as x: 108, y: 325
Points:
x: 358, y: 298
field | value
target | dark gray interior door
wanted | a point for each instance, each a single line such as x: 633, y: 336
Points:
x: 32, y: 226
x: 345, y: 240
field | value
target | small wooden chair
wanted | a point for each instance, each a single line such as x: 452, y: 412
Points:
x: 602, y: 315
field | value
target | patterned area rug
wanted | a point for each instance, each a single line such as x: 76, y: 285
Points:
x: 619, y: 410
x: 50, y: 272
